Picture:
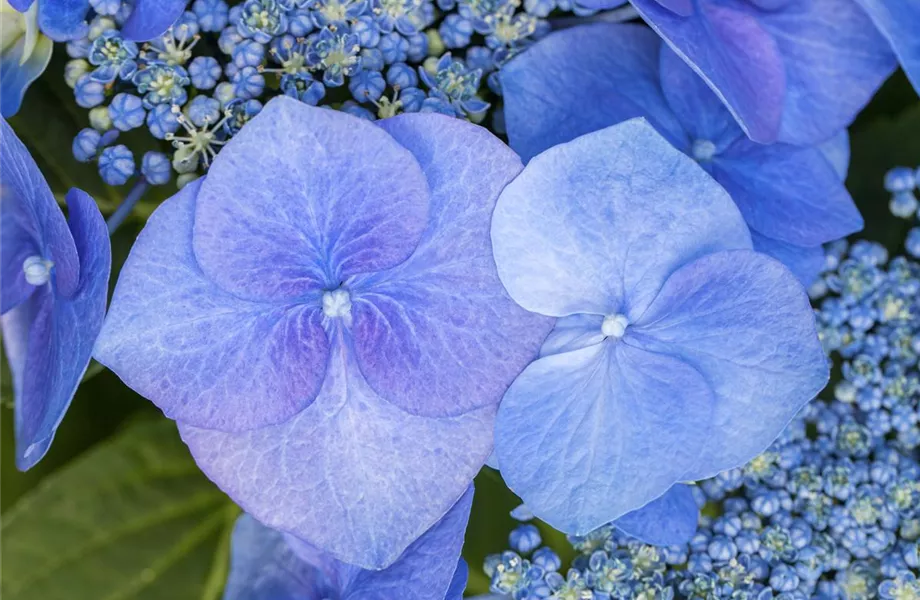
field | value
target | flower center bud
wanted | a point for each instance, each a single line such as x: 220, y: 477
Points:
x: 37, y: 270
x: 614, y: 326
x: 337, y: 304
x: 703, y: 150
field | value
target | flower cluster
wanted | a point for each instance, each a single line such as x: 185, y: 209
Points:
x: 197, y: 84
x: 831, y: 510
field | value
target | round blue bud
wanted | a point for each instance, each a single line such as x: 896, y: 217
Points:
x: 355, y: 109
x: 156, y: 168
x: 913, y: 242
x: 248, y: 53
x: 204, y: 71
x: 212, y: 14
x: 903, y: 204
x: 393, y: 47
x: 229, y: 39
x: 367, y: 30
x: 86, y: 144
x: 79, y: 48
x: 418, y: 47
x: 127, y: 112
x: 248, y: 83
x: 300, y: 22
x: 372, y: 59
x: 546, y: 559
x: 106, y: 7
x: 900, y: 179
x: 203, y: 111
x: 116, y: 165
x: 456, y: 32
x: 402, y: 75
x: 367, y: 86
x: 162, y: 120
x: 525, y: 538
x: 88, y: 92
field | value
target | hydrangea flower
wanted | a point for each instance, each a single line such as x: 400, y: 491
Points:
x: 54, y: 284
x: 898, y: 23
x: 323, y: 317
x: 24, y: 55
x: 792, y: 71
x: 267, y: 565
x: 791, y: 197
x: 64, y: 20
x: 678, y: 352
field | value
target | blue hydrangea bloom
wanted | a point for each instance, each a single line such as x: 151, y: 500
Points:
x: 792, y: 197
x: 323, y: 317
x: 788, y: 70
x: 24, y: 55
x: 54, y: 284
x: 267, y: 565
x: 678, y: 352
x: 64, y: 20
x: 898, y: 23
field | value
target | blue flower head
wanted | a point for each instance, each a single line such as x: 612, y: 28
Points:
x: 792, y: 197
x: 268, y: 565
x: 324, y: 306
x: 788, y: 70
x: 24, y: 56
x: 55, y: 276
x: 64, y: 20
x: 678, y: 351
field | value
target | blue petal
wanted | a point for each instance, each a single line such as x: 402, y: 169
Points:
x: 557, y: 91
x: 573, y: 333
x: 63, y: 20
x: 669, y: 520
x: 304, y: 197
x: 267, y: 565
x: 458, y: 583
x: 837, y: 152
x: 834, y: 59
x: 806, y: 263
x: 898, y: 22
x: 773, y: 366
x: 420, y: 344
x: 21, y: 5
x: 16, y: 76
x: 201, y: 354
x: 731, y: 50
x: 49, y: 338
x: 588, y: 436
x: 151, y: 18
x: 38, y: 215
x: 352, y: 474
x: 787, y: 193
x: 586, y: 228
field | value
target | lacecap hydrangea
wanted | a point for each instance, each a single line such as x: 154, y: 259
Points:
x: 323, y: 317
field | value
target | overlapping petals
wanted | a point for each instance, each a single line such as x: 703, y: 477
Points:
x: 898, y: 23
x: 791, y: 197
x: 707, y: 348
x: 791, y: 71
x: 323, y: 317
x: 65, y: 20
x: 267, y: 565
x: 151, y: 18
x: 50, y: 321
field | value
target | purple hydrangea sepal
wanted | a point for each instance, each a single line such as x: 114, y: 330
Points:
x: 897, y: 21
x: 323, y: 317
x: 789, y: 71
x: 792, y: 197
x: 268, y: 565
x: 55, y: 276
x: 679, y: 352
x: 151, y: 18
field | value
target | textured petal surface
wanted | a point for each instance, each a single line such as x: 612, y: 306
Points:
x: 17, y: 75
x: 438, y: 335
x: 597, y: 224
x: 806, y: 263
x: 53, y: 335
x: 545, y: 88
x: 743, y: 321
x: 352, y: 474
x: 837, y: 152
x: 897, y: 20
x: 151, y: 18
x: 787, y: 193
x: 668, y: 520
x: 201, y: 354
x: 587, y: 436
x: 458, y: 583
x: 264, y: 567
x: 427, y: 568
x: 37, y: 213
x: 302, y: 198
x: 63, y: 20
x: 834, y: 59
x: 730, y: 49
x: 573, y: 333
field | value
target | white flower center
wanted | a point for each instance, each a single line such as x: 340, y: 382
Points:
x: 703, y: 150
x: 614, y: 326
x: 337, y: 304
x: 37, y: 270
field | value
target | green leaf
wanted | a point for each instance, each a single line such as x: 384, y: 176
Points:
x: 133, y: 518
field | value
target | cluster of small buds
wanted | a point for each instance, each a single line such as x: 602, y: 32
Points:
x: 904, y: 185
x: 217, y: 65
x: 830, y: 511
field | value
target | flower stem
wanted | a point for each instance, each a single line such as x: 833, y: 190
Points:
x: 127, y: 205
